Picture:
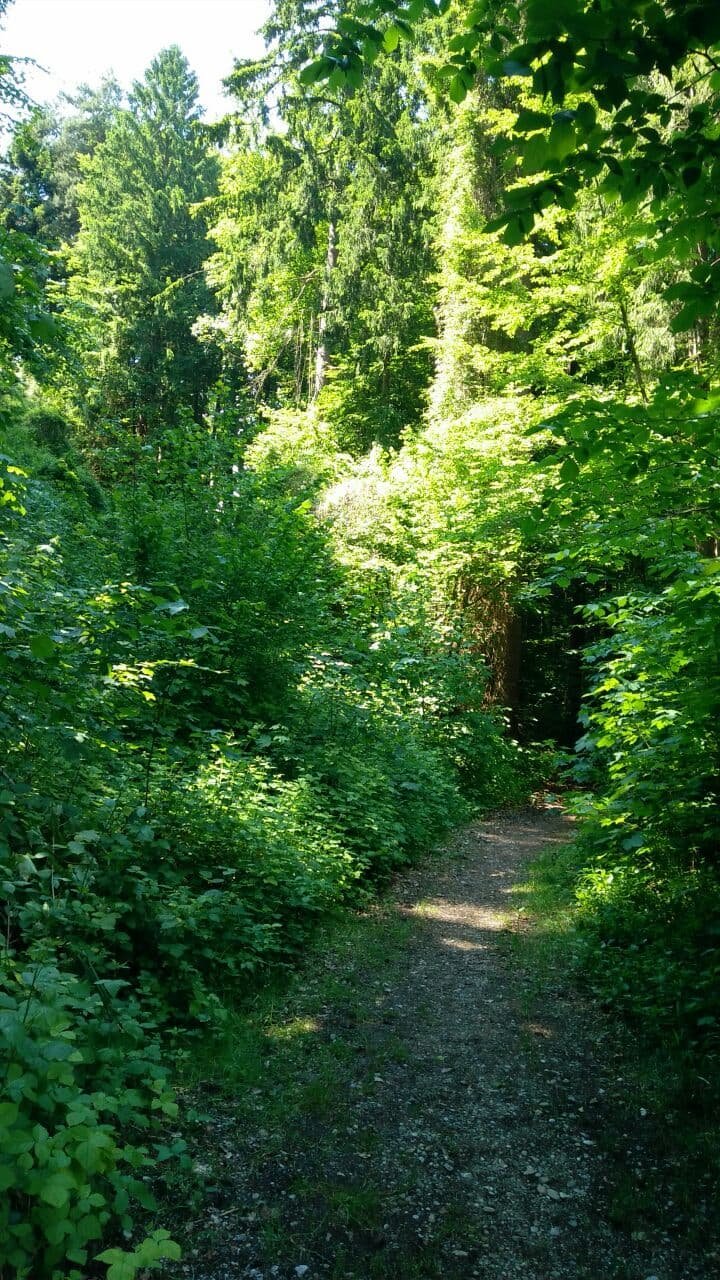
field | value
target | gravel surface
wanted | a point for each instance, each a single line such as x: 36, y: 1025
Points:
x: 467, y: 1132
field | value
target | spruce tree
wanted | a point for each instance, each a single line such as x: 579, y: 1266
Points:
x: 141, y: 250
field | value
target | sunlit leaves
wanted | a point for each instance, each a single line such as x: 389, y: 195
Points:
x: 141, y: 250
x: 644, y: 146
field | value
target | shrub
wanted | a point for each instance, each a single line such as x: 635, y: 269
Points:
x: 650, y: 896
x: 48, y: 428
x: 82, y: 1099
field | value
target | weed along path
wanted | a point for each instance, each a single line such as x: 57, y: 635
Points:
x: 416, y: 1108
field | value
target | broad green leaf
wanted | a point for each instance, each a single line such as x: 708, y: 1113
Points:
x: 457, y: 89
x: 125, y: 1268
x: 314, y: 72
x: 56, y: 1189
x: 561, y: 140
x: 693, y: 311
x: 536, y: 153
x: 42, y: 646
x: 528, y: 121
x: 569, y: 469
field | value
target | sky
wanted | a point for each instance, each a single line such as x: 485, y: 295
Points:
x: 79, y: 40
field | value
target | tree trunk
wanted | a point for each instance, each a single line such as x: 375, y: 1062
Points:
x: 321, y: 352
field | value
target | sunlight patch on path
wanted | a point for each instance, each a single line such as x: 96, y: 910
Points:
x: 468, y: 914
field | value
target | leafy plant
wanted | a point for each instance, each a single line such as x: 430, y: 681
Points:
x: 82, y: 1093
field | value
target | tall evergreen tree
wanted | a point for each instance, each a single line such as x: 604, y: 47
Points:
x: 42, y: 168
x: 141, y: 250
x: 322, y: 227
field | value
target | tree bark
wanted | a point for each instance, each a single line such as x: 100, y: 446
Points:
x: 321, y: 351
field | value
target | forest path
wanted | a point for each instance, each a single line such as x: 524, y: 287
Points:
x: 416, y: 1107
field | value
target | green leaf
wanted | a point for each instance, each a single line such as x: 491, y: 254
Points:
x: 9, y: 1112
x: 457, y: 89
x: 42, y: 646
x: 125, y: 1268
x: 56, y: 1190
x: 688, y: 316
x: 528, y: 121
x: 691, y: 174
x: 518, y: 227
x: 569, y: 469
x: 535, y: 153
x: 586, y: 117
x: 561, y: 142
x: 314, y: 72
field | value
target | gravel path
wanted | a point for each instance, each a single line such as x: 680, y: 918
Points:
x: 438, y: 1124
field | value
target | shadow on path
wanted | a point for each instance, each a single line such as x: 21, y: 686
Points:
x: 418, y: 1117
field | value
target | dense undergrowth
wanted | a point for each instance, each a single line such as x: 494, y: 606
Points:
x: 334, y: 480
x: 190, y: 783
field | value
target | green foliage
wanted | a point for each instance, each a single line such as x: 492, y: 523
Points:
x: 650, y: 893
x: 140, y: 252
x: 147, y: 1257
x: 606, y: 115
x: 41, y: 171
x: 323, y: 250
x: 190, y: 781
x: 599, y: 526
x: 27, y: 331
x: 81, y: 1104
x: 265, y: 623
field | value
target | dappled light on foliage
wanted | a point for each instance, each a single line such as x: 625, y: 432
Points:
x: 358, y: 474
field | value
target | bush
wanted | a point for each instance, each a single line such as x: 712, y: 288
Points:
x: 82, y: 1095
x: 161, y: 847
x: 48, y: 428
x: 650, y: 896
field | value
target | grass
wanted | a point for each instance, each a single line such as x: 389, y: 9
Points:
x: 655, y: 1100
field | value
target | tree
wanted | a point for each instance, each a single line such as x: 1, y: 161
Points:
x: 26, y: 330
x: 26, y: 185
x: 141, y: 250
x: 602, y: 71
x: 322, y: 227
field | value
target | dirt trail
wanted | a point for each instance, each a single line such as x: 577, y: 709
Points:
x: 435, y: 1123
